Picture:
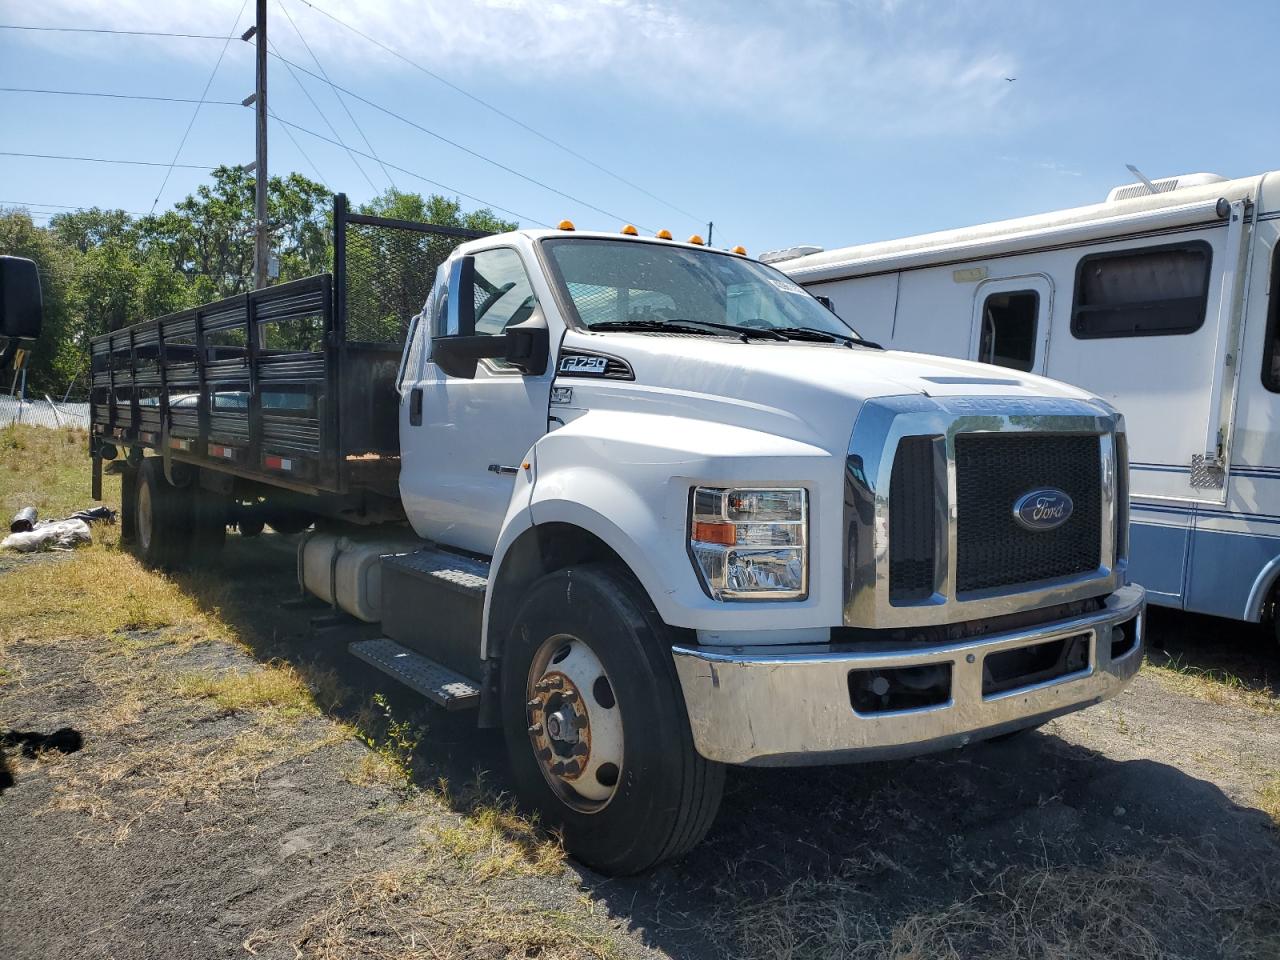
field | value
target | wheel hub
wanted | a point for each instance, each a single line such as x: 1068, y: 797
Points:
x: 575, y: 727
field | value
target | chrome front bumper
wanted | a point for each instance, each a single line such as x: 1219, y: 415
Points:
x: 791, y: 706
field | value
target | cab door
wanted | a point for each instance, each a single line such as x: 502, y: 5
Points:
x: 1011, y: 322
x: 463, y: 440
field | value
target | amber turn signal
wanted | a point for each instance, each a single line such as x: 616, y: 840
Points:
x: 725, y: 534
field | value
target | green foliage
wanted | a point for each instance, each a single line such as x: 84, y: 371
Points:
x: 104, y: 269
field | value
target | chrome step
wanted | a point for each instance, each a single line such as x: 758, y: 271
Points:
x: 434, y: 681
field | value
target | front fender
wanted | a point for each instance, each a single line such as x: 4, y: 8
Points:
x: 626, y: 478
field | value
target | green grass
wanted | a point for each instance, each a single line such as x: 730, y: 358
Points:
x: 45, y: 469
x: 1213, y: 685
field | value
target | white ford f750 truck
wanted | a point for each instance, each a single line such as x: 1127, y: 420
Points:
x: 656, y: 511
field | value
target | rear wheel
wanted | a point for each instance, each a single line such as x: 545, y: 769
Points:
x: 596, y: 726
x: 162, y: 517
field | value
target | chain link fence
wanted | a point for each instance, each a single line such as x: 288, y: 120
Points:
x: 44, y: 412
x: 385, y: 270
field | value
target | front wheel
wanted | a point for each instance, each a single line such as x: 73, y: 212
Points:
x: 596, y: 726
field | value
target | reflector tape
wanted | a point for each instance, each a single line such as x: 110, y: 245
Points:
x: 217, y: 450
x: 149, y: 437
x: 277, y: 463
x: 177, y: 444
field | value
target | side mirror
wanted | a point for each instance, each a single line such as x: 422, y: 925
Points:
x: 826, y: 302
x: 21, y: 304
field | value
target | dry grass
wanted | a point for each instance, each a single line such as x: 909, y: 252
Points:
x: 1214, y: 686
x: 275, y: 686
x: 1269, y: 797
x: 1120, y: 910
x: 116, y: 795
x: 493, y: 839
x: 413, y: 915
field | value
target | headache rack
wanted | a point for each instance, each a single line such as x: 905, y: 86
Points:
x: 292, y: 385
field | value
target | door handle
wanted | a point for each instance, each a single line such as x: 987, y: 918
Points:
x: 502, y: 471
x: 415, y: 407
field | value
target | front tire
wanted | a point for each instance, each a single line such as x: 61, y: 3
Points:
x: 595, y: 723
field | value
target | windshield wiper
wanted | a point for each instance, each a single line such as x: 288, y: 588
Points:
x: 825, y: 336
x: 687, y: 326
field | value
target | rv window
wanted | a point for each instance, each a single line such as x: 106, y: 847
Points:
x: 1271, y: 352
x: 1142, y: 293
x: 1009, y: 330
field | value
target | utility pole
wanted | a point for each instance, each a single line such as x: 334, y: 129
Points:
x: 710, y: 229
x: 262, y: 235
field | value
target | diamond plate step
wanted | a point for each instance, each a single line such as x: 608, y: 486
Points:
x: 464, y: 574
x: 434, y: 681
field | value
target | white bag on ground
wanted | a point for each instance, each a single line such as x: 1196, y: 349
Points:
x: 49, y: 535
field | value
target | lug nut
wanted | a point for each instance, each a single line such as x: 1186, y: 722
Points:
x: 544, y: 754
x: 573, y: 769
x: 536, y: 729
x: 558, y: 768
x: 534, y: 705
x: 570, y: 696
x: 579, y: 750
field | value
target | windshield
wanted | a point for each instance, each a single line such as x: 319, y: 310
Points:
x: 619, y: 283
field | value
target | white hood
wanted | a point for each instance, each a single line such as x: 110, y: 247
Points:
x: 802, y: 390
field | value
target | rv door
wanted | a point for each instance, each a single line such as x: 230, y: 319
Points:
x: 1011, y: 322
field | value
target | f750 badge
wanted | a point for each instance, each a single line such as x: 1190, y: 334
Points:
x: 576, y: 363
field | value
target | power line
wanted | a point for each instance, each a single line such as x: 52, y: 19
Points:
x: 459, y: 146
x: 307, y: 93
x: 294, y: 140
x: 136, y: 163
x: 336, y: 94
x: 435, y: 183
x: 131, y: 33
x: 506, y: 116
x: 67, y: 206
x: 118, y: 96
x: 196, y: 112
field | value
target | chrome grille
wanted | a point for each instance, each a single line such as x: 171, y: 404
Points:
x: 992, y: 471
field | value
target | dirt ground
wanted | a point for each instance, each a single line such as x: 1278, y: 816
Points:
x: 251, y: 790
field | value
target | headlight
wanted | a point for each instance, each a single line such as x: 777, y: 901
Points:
x: 751, y: 544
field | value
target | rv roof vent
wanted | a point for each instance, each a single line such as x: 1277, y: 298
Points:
x: 1130, y: 190
x: 788, y: 253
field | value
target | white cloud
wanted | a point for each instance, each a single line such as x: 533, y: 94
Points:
x: 853, y: 69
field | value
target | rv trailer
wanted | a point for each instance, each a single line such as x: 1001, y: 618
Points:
x: 1162, y: 303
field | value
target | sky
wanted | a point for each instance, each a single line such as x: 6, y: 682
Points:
x: 827, y: 122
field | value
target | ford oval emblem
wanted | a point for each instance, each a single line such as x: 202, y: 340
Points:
x: 1045, y: 509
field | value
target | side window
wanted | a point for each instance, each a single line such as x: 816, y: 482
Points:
x: 504, y: 295
x: 1153, y: 292
x: 1271, y: 349
x: 1009, y: 330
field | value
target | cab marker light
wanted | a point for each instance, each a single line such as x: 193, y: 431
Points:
x: 740, y: 250
x: 663, y: 234
x: 630, y: 230
x: 566, y: 225
x: 695, y: 239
